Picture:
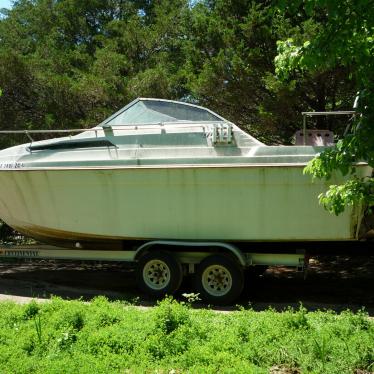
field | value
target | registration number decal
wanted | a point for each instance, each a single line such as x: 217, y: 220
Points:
x: 19, y: 253
x: 12, y: 165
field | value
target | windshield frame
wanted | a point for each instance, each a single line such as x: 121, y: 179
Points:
x: 132, y: 103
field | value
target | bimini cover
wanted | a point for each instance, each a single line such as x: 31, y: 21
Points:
x: 148, y: 111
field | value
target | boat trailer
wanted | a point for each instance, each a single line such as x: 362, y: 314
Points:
x: 218, y: 268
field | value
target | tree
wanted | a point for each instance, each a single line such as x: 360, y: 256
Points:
x: 231, y: 46
x: 71, y: 63
x: 343, y: 38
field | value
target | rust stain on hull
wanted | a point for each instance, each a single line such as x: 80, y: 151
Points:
x: 70, y: 239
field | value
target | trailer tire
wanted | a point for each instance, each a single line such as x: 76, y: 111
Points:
x: 219, y: 280
x: 159, y: 273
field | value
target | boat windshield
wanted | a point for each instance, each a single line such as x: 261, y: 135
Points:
x: 147, y: 111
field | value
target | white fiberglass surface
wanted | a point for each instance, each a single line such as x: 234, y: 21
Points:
x: 156, y: 111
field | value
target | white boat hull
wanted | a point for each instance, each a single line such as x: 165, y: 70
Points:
x: 225, y: 203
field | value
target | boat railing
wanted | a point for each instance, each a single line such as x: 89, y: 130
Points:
x: 327, y: 113
x: 207, y: 126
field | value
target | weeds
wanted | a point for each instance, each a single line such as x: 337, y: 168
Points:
x: 103, y: 337
x: 170, y: 315
x: 31, y: 310
x: 38, y: 327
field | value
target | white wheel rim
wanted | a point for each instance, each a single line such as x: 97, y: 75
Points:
x: 217, y: 280
x: 156, y: 274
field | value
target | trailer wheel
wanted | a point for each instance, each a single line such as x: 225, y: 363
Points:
x: 159, y: 274
x: 219, y: 280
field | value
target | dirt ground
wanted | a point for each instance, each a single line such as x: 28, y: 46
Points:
x: 336, y: 283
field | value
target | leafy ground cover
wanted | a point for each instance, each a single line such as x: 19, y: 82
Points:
x: 76, y: 337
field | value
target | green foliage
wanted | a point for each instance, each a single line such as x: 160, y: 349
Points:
x: 71, y: 63
x: 354, y: 192
x: 70, y: 336
x: 38, y: 327
x: 31, y: 310
x: 344, y: 39
x: 171, y: 315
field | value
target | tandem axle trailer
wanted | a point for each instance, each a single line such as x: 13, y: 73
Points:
x: 218, y: 268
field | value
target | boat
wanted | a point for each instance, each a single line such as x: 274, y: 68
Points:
x: 163, y: 169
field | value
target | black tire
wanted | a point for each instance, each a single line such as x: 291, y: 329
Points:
x: 158, y: 274
x: 229, y: 285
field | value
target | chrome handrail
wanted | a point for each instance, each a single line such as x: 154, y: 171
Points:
x: 327, y: 113
x: 128, y: 127
x: 43, y: 131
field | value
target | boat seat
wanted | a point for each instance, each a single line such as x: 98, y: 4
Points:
x: 315, y: 137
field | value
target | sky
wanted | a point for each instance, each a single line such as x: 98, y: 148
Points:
x: 5, y: 3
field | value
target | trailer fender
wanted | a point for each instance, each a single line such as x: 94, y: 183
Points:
x: 238, y: 254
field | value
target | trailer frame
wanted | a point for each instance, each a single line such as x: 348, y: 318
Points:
x: 218, y: 267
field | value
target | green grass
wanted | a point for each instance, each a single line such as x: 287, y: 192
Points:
x: 101, y: 337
